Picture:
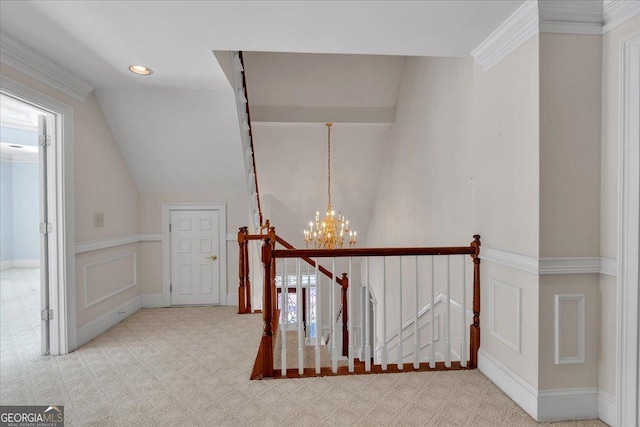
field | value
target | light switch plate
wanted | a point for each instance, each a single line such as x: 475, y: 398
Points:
x: 98, y: 219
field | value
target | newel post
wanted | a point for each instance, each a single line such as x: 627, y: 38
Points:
x: 247, y: 280
x: 274, y: 293
x: 345, y: 316
x: 242, y: 261
x: 267, y: 313
x: 475, y: 327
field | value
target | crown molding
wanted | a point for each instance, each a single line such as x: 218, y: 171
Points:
x: 510, y: 35
x: 617, y: 12
x: 552, y: 16
x: 23, y: 58
x: 570, y: 17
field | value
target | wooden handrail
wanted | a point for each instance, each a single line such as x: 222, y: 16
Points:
x: 361, y: 252
x: 253, y: 152
x: 308, y: 260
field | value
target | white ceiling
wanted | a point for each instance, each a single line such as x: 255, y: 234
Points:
x: 177, y: 129
x: 98, y: 40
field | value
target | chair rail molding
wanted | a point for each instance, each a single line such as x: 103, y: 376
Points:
x: 544, y: 266
x: 23, y: 58
x: 110, y: 242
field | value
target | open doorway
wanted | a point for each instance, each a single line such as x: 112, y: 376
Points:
x: 24, y: 250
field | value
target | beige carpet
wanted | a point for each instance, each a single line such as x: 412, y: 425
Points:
x: 190, y: 367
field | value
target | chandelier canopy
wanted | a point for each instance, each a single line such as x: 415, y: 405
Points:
x: 330, y: 232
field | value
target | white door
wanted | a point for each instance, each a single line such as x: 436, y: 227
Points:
x: 195, y: 252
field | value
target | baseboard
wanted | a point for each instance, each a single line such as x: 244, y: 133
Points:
x: 108, y: 320
x: 549, y: 405
x: 232, y: 299
x: 568, y: 404
x: 20, y: 263
x: 153, y: 301
x: 607, y: 408
x: 521, y: 392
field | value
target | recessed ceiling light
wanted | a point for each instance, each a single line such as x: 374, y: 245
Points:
x: 140, y: 69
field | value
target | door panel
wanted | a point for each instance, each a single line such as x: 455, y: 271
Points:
x: 195, y: 267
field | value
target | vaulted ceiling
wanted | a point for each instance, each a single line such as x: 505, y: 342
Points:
x: 305, y: 62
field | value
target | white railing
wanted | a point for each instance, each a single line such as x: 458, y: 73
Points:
x: 420, y: 293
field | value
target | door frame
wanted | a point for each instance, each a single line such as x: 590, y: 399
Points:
x: 166, y: 244
x: 62, y: 290
x: 628, y: 283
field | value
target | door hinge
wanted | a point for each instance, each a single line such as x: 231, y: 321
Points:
x: 44, y: 140
x: 170, y: 288
x: 46, y: 314
x: 46, y: 228
x: 169, y: 228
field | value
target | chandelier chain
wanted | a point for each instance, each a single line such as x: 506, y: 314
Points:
x: 329, y: 161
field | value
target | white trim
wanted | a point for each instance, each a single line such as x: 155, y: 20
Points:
x: 108, y: 320
x: 520, y: 391
x: 110, y: 242
x: 151, y: 237
x: 628, y: 298
x: 153, y: 301
x: 568, y: 404
x: 547, y: 405
x: 23, y: 58
x: 134, y: 264
x: 579, y: 357
x: 617, y: 12
x: 510, y: 259
x: 20, y: 263
x: 515, y: 31
x: 569, y: 265
x: 570, y: 17
x: 517, y: 345
x: 607, y: 408
x: 166, y: 244
x: 529, y: 264
x: 609, y: 266
x: 232, y: 238
x: 63, y: 296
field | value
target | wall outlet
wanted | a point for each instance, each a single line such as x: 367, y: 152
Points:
x: 98, y: 219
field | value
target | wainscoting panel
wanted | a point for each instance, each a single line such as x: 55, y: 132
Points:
x: 505, y: 314
x: 108, y: 277
x: 569, y: 329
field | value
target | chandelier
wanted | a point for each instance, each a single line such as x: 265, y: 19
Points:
x: 330, y: 232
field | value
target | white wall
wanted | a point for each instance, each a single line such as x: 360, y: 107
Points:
x: 465, y: 161
x: 291, y: 162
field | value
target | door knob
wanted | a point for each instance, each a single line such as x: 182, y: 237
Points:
x: 212, y: 257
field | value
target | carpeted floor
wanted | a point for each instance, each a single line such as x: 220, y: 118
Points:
x: 190, y: 367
